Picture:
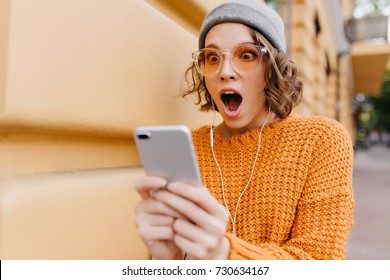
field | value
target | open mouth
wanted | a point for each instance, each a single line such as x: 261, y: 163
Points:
x: 231, y: 100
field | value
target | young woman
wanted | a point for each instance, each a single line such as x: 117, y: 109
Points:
x: 275, y: 186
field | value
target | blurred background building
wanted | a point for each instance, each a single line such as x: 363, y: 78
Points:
x: 76, y: 78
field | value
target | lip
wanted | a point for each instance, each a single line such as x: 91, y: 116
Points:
x: 227, y: 112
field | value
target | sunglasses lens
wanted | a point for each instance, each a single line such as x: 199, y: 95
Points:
x: 208, y: 61
x: 245, y: 58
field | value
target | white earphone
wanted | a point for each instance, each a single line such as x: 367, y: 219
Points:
x: 233, y: 219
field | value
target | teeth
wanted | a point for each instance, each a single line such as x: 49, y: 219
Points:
x: 229, y: 92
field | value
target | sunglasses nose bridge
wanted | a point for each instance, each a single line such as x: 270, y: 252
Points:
x: 226, y: 55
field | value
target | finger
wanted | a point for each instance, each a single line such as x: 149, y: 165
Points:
x: 194, y: 233
x: 156, y: 232
x: 198, y: 195
x: 190, y: 247
x: 197, y: 250
x: 199, y: 244
x: 219, y: 251
x: 154, y: 207
x: 159, y: 220
x: 193, y: 212
x: 145, y: 186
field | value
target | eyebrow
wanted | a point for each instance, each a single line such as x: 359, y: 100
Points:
x: 242, y: 43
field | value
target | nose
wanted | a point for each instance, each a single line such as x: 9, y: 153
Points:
x: 227, y: 71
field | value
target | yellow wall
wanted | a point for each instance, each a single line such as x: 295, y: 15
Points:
x: 325, y: 94
x: 76, y: 77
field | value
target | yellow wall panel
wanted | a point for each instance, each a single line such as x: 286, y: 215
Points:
x: 83, y: 215
x: 93, y: 67
x: 76, y: 77
x: 4, y: 27
x: 305, y: 65
x: 297, y: 38
x: 32, y: 154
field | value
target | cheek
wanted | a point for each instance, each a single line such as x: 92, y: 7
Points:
x: 210, y: 85
x: 260, y: 78
x: 256, y: 83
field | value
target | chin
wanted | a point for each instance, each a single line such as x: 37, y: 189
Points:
x: 234, y: 125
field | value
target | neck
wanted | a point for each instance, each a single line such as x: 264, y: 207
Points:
x: 224, y: 130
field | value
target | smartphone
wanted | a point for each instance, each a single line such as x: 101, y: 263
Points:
x: 168, y: 151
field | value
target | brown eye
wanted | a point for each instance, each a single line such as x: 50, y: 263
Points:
x: 212, y: 58
x: 248, y: 55
x: 246, y: 58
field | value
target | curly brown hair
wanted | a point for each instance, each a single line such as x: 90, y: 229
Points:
x: 284, y: 86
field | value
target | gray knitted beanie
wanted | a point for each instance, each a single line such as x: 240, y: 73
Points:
x: 251, y: 13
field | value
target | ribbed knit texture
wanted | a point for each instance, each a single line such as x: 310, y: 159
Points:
x: 299, y: 204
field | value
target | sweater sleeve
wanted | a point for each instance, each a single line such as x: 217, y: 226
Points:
x: 324, y: 215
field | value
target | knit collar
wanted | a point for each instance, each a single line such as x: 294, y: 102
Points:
x: 249, y: 137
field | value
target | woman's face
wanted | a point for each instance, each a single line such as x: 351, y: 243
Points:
x: 239, y: 97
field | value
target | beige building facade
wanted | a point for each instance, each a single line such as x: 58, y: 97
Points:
x: 76, y: 78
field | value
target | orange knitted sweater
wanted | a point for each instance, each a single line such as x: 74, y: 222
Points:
x: 299, y: 204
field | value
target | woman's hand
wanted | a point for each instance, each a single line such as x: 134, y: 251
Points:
x: 198, y: 221
x: 155, y: 220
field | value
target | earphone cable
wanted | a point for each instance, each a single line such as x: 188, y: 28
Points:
x: 233, y: 219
